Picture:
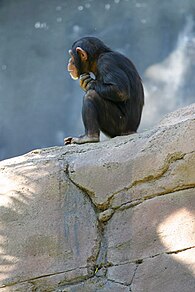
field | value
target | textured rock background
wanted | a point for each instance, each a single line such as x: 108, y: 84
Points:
x: 113, y: 216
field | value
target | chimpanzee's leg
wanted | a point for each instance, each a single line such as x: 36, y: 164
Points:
x: 101, y: 114
x: 90, y: 121
x: 90, y: 114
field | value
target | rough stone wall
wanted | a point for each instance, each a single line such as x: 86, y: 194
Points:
x: 113, y: 216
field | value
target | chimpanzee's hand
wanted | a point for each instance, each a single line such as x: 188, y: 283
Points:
x: 86, y: 81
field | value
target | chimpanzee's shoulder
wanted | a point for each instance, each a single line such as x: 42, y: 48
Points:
x: 111, y: 59
x: 111, y: 55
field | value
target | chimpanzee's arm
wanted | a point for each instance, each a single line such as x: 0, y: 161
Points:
x: 112, y: 82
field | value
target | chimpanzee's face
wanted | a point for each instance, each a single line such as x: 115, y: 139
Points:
x: 72, y: 68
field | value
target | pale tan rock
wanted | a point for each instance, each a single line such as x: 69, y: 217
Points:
x: 122, y: 273
x: 105, y: 215
x: 161, y: 224
x: 95, y: 284
x: 23, y: 287
x: 44, y: 222
x: 165, y: 273
x: 180, y: 175
x: 179, y: 116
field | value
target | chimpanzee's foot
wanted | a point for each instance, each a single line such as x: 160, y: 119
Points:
x: 67, y: 140
x: 81, y: 140
x: 85, y: 139
x: 128, y: 133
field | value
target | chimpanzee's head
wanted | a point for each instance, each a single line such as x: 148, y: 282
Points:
x: 84, y: 54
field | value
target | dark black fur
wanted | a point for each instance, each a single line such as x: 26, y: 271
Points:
x: 116, y: 107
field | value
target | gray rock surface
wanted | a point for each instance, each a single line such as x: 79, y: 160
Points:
x: 113, y: 216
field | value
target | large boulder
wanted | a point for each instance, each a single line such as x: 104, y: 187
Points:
x: 113, y: 216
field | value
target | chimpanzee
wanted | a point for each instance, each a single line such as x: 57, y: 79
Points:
x: 114, y: 99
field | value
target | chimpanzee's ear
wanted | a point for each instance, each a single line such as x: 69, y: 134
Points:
x: 82, y: 54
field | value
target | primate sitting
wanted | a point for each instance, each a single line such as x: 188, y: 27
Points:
x: 114, y: 100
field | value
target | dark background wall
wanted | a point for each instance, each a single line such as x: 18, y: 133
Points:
x: 40, y: 104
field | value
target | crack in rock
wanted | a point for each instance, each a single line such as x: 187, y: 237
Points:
x: 29, y: 280
x: 141, y: 260
x: 134, y: 203
x: 171, y: 158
